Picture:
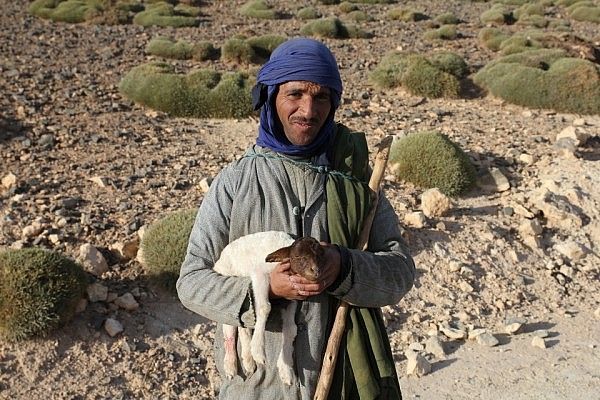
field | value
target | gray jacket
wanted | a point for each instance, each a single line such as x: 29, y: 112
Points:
x: 261, y: 192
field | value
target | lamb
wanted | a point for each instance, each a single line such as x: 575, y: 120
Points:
x: 256, y: 255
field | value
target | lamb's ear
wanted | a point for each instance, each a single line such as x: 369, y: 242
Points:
x: 279, y: 255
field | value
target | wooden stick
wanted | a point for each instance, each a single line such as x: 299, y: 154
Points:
x: 339, y: 325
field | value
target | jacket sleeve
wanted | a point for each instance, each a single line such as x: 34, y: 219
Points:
x: 224, y: 299
x: 382, y: 275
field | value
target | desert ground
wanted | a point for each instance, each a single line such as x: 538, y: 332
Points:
x: 92, y: 167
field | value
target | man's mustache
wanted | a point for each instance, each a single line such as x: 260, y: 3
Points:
x: 305, y: 121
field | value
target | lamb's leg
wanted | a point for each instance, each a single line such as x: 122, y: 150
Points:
x: 247, y: 360
x: 230, y: 359
x: 260, y: 285
x: 285, y: 362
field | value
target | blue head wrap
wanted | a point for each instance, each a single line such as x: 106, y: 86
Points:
x: 295, y: 60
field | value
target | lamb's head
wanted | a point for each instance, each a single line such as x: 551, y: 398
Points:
x: 306, y: 255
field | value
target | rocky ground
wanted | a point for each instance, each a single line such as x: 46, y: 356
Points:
x: 507, y: 299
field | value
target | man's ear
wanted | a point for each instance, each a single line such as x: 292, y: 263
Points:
x: 279, y: 255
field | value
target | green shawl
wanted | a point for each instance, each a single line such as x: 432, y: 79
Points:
x: 365, y: 367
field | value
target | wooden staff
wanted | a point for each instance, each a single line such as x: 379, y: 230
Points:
x: 333, y: 343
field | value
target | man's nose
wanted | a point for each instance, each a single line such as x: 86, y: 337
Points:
x: 308, y: 107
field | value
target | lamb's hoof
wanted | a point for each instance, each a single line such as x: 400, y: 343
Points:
x: 259, y: 357
x: 249, y: 366
x: 286, y: 374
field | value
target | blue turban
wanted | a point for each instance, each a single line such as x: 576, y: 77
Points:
x: 295, y: 60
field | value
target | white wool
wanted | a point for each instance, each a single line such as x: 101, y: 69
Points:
x: 246, y: 257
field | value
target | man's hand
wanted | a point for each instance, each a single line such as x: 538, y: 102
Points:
x: 295, y: 287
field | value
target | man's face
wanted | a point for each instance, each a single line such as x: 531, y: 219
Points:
x: 302, y: 108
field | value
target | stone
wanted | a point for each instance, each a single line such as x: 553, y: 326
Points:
x: 9, y: 180
x: 487, y: 339
x: 417, y: 364
x: 416, y: 346
x: 434, y: 203
x: 597, y: 313
x: 434, y: 346
x: 127, y: 250
x: 527, y: 159
x: 97, y: 292
x: 32, y: 230
x: 455, y: 266
x: 566, y: 148
x: 466, y: 287
x: 81, y: 306
x: 493, y: 181
x: 54, y: 238
x: 558, y: 211
x: 101, y: 181
x: 113, y: 327
x: 127, y: 302
x: 533, y: 242
x: 415, y: 219
x: 571, y: 249
x: 522, y: 210
x: 538, y: 342
x: 205, y: 184
x: 452, y: 333
x: 530, y: 227
x: 92, y: 260
x: 513, y: 326
x: 575, y: 133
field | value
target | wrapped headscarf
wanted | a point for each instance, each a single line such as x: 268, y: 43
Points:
x: 295, y: 60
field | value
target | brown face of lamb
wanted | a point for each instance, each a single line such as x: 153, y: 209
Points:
x: 306, y: 256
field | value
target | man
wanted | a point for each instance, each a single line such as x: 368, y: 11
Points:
x: 305, y: 176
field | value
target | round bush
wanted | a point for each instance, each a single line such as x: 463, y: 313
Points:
x: 430, y: 159
x: 39, y: 291
x: 164, y: 246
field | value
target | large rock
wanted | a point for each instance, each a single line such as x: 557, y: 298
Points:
x: 577, y: 134
x: 493, y: 181
x: 92, y: 260
x: 434, y: 203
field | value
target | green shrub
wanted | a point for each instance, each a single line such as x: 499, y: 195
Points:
x: 416, y: 74
x: 536, y: 21
x: 200, y: 94
x: 347, y: 7
x: 307, y: 13
x: 498, y: 14
x: 591, y: 14
x: 329, y: 2
x: 164, y: 246
x: 252, y: 50
x: 168, y: 48
x: 522, y: 41
x: 444, y: 32
x: 450, y: 62
x: 492, y: 38
x: 406, y: 14
x: 359, y: 16
x: 447, y: 19
x: 165, y: 14
x: 584, y: 3
x: 332, y: 28
x: 259, y: 9
x: 373, y: 1
x: 528, y: 9
x: 72, y: 11
x: 545, y: 78
x: 430, y: 159
x: 39, y: 291
x: 203, y: 50
x: 238, y: 51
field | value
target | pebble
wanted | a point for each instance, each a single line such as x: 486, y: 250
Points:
x: 92, y: 260
x: 466, y: 287
x: 97, y: 292
x: 513, y: 326
x: 541, y: 333
x: 538, y: 342
x: 127, y: 250
x: 455, y: 266
x: 417, y: 364
x: 597, y: 313
x: 434, y: 203
x: 487, y: 339
x: 566, y: 148
x: 113, y: 327
x: 453, y: 333
x: 571, y: 249
x: 434, y: 346
x: 34, y: 229
x: 127, y: 302
x: 530, y: 227
x: 415, y: 219
x: 9, y: 180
